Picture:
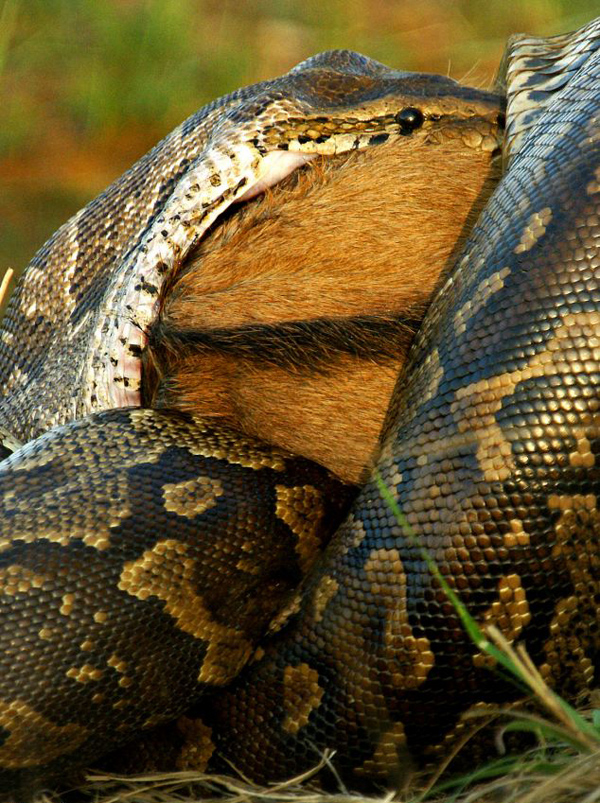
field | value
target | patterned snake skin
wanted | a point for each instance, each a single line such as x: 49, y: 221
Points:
x: 132, y: 575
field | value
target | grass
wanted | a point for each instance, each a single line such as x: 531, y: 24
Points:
x: 552, y: 772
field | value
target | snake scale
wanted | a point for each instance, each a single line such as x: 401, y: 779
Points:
x: 132, y: 541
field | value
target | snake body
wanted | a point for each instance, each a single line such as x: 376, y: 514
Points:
x: 490, y: 451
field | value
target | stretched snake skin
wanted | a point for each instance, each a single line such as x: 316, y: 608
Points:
x: 132, y: 541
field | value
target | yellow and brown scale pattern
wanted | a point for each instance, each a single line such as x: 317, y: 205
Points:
x: 168, y: 595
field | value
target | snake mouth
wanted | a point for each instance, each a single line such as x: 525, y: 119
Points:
x: 123, y: 370
x: 152, y: 273
x: 142, y: 301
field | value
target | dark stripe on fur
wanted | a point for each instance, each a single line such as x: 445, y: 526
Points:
x: 308, y: 344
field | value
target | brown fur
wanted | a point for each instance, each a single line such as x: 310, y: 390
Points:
x: 294, y: 315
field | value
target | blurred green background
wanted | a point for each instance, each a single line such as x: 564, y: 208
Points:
x: 88, y: 86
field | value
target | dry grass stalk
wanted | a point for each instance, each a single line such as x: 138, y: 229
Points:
x: 6, y: 280
x: 189, y: 787
x: 579, y: 730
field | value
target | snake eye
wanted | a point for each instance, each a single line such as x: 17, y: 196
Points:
x: 409, y: 119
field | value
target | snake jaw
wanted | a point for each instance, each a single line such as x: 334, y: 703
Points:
x: 122, y: 369
x: 221, y: 176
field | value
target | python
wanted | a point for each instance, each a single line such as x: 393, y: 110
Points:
x: 131, y: 530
